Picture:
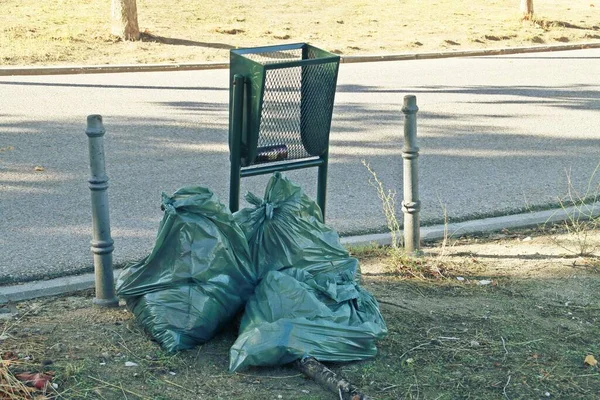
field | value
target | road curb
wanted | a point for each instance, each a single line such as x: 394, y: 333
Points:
x: 485, y: 225
x: 53, y: 287
x: 110, y: 69
x: 45, y: 288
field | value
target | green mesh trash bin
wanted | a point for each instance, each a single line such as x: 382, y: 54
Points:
x: 281, y: 102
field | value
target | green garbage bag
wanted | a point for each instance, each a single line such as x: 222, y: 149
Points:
x: 309, y: 301
x: 294, y: 313
x: 286, y: 229
x: 198, y: 276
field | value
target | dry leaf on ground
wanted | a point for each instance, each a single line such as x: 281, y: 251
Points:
x: 38, y: 380
x: 590, y: 360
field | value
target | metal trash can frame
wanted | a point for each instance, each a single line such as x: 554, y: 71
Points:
x: 281, y: 103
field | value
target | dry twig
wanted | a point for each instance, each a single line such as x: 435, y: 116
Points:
x: 325, y: 377
x: 504, y: 389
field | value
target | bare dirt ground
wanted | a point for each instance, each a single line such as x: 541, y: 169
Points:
x: 511, y: 315
x: 47, y: 32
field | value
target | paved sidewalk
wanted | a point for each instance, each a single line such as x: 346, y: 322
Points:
x: 67, y: 284
x: 497, y: 135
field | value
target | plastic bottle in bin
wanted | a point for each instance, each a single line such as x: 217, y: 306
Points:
x: 273, y: 153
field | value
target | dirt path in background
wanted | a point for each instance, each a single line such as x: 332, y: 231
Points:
x: 45, y: 32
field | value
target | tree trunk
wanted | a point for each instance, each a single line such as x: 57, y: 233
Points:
x: 124, y: 19
x: 527, y: 8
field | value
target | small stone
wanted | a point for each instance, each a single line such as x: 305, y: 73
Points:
x: 460, y: 278
x: 130, y: 364
x: 528, y: 239
x: 484, y: 282
x: 172, y: 373
x: 54, y: 385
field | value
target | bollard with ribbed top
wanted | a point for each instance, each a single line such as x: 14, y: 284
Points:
x: 102, y: 243
x: 410, y: 153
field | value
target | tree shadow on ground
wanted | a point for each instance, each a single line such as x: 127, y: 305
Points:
x: 103, y: 86
x: 475, y: 164
x: 551, y: 24
x: 581, y: 97
x: 148, y: 37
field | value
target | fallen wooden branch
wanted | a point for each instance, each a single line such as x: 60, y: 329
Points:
x: 325, y: 377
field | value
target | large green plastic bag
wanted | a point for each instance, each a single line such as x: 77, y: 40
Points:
x: 286, y: 229
x: 309, y: 301
x: 294, y: 313
x: 198, y: 275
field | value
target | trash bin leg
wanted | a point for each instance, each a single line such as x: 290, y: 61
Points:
x: 322, y: 184
x: 236, y: 125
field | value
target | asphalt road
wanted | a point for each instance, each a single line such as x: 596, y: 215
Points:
x: 497, y: 134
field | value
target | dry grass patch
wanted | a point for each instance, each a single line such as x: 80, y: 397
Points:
x: 45, y: 32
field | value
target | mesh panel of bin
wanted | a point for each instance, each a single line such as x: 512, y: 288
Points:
x: 296, y: 110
